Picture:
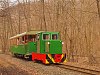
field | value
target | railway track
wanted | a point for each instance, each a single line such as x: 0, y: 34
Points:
x: 35, y: 68
x: 61, y: 66
x: 79, y: 69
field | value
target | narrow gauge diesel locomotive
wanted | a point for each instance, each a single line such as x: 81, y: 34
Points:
x: 39, y: 46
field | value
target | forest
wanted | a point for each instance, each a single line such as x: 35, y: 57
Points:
x: 78, y: 22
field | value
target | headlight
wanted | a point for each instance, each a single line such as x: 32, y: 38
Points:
x: 62, y: 42
x: 48, y: 42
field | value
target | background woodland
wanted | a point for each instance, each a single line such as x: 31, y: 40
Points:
x: 78, y: 21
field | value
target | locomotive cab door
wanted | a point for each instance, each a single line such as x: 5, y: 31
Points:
x: 46, y: 39
x: 38, y: 43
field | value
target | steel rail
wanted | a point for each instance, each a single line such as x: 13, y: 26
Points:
x: 79, y: 69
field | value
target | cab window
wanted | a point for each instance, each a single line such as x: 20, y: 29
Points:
x: 46, y: 37
x: 54, y: 36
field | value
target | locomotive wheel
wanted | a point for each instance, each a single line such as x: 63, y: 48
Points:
x: 15, y: 55
x: 38, y: 61
x: 29, y: 57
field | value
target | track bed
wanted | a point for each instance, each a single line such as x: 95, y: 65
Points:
x: 24, y: 67
x: 9, y: 69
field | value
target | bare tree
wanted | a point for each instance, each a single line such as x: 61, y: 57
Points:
x: 98, y: 7
x: 43, y: 12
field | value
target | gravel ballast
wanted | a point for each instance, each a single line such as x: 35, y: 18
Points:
x: 34, y: 68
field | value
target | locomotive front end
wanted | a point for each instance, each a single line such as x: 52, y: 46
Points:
x: 53, y: 48
x: 49, y: 48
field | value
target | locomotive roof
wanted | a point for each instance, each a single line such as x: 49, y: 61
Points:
x: 29, y: 33
x: 26, y: 33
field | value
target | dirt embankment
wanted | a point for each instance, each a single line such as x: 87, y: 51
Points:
x: 9, y: 69
x: 16, y: 66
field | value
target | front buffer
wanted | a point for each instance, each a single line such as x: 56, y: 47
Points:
x: 49, y: 58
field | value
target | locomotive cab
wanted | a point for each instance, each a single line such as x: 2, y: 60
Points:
x: 49, y: 48
x: 52, y: 43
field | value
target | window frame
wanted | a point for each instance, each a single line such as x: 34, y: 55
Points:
x: 47, y: 34
x: 54, y: 34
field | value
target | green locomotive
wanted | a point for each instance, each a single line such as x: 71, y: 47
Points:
x: 38, y: 45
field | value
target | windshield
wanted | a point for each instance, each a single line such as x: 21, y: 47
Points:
x: 54, y: 36
x: 46, y: 37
